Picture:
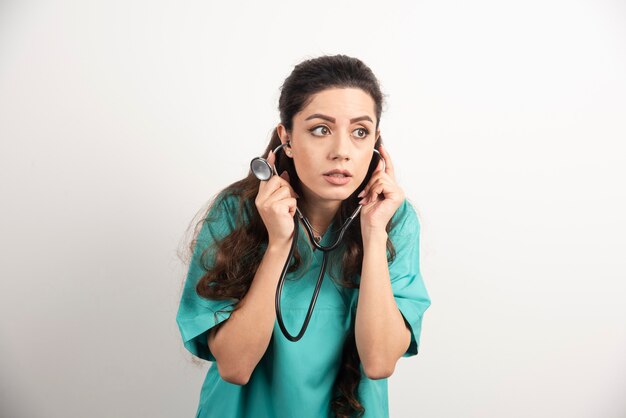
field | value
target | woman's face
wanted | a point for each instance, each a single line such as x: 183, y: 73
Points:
x: 336, y: 130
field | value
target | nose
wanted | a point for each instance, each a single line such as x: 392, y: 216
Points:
x: 341, y: 147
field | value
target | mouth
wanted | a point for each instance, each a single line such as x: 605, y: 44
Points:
x: 337, y: 179
x: 338, y: 173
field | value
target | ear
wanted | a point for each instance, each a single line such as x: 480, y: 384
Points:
x: 282, y: 133
x: 284, y: 138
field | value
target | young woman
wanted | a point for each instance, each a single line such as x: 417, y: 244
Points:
x: 371, y: 302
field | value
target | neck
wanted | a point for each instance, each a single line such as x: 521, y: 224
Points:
x: 320, y: 213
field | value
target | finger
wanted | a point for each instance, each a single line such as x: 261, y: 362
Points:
x: 389, y: 168
x: 375, y: 176
x: 292, y: 206
x: 375, y: 192
x: 266, y: 188
x: 365, y: 190
x: 289, y: 204
x: 270, y: 159
x: 368, y: 191
x: 279, y: 194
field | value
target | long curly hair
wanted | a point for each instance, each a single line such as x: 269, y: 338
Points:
x: 237, y: 256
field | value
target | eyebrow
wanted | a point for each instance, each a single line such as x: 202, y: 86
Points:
x: 328, y: 118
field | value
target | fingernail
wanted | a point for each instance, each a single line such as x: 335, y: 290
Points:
x: 361, y: 194
x: 361, y: 201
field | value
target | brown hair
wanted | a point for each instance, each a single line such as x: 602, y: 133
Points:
x: 238, y: 255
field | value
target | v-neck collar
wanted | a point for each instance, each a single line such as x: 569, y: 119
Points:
x: 327, y: 238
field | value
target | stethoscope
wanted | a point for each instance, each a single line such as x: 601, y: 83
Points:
x: 264, y: 171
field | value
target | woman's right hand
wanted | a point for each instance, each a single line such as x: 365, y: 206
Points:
x: 276, y: 203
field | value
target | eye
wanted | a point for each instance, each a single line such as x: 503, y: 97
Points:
x: 364, y: 132
x: 318, y: 127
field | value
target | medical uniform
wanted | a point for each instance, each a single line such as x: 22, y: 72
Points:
x: 295, y: 379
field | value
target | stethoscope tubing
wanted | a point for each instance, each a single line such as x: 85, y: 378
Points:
x: 324, y: 249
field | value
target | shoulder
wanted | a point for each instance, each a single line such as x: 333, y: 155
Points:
x: 224, y: 201
x: 405, y: 220
x: 221, y: 217
x: 225, y: 207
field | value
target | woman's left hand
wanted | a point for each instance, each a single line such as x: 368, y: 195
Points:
x: 381, y: 197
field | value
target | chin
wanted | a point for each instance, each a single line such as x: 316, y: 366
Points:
x: 339, y: 195
x: 330, y: 192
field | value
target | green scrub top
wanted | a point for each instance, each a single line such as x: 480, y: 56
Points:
x: 296, y: 378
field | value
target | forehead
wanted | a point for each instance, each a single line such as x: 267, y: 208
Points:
x: 340, y: 103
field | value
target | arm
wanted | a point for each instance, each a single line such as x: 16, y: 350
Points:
x: 239, y: 342
x: 381, y: 334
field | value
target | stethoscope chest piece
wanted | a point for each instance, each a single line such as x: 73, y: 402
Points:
x: 261, y: 168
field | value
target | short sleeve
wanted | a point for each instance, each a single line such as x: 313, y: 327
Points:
x: 404, y: 272
x: 197, y: 315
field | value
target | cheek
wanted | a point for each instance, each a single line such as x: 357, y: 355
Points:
x: 305, y: 163
x: 303, y: 168
x: 364, y: 166
x: 361, y: 176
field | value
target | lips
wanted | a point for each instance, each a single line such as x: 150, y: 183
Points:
x: 337, y: 171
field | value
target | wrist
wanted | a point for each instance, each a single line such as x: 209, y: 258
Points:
x: 280, y: 247
x: 374, y: 231
x: 374, y: 235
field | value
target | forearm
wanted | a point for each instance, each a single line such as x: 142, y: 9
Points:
x: 241, y: 341
x: 380, y: 332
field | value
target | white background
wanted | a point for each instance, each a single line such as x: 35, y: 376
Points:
x: 506, y: 122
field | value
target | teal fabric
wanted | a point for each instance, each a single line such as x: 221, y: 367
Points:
x: 296, y: 378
